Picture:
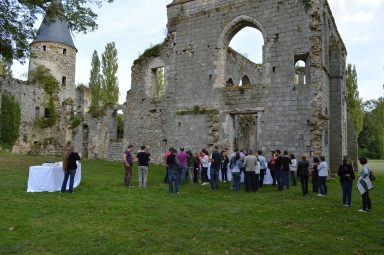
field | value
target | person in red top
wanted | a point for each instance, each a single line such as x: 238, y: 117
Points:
x: 166, y: 154
x: 272, y: 166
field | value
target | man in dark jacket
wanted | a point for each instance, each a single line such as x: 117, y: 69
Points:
x: 215, y: 167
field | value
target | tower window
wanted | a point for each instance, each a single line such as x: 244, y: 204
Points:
x: 44, y: 47
x: 64, y: 51
x: 63, y: 81
x: 46, y: 113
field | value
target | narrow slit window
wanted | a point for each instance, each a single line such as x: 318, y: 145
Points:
x: 44, y: 47
x: 64, y: 81
x: 64, y: 51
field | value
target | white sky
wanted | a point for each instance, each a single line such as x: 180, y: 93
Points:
x: 135, y: 25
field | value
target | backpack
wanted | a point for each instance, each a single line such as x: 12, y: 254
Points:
x: 232, y: 163
x: 371, y: 176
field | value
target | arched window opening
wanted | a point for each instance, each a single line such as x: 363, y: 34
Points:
x: 229, y: 82
x: 245, y: 56
x: 300, y: 73
x: 159, y: 81
x: 249, y: 42
x: 245, y: 81
x: 120, y: 126
x: 37, y: 112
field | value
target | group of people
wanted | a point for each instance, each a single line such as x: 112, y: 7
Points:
x: 185, y: 165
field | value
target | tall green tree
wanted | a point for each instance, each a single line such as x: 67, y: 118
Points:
x: 10, y: 119
x: 109, y: 81
x: 354, y: 103
x: 371, y: 139
x: 17, y: 20
x: 95, y: 80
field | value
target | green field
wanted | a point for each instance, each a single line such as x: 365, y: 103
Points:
x: 103, y: 217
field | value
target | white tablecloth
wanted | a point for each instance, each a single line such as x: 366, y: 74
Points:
x: 267, y: 177
x: 49, y: 177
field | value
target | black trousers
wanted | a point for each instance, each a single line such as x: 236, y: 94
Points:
x: 366, y: 201
x: 273, y: 175
x: 250, y: 181
x: 304, y: 183
x: 262, y: 173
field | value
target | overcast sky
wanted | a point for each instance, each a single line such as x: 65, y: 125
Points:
x: 135, y: 25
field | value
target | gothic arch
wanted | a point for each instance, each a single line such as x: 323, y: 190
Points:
x: 230, y: 30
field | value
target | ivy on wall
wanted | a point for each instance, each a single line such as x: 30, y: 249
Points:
x: 42, y: 76
x: 10, y: 119
x: 307, y: 3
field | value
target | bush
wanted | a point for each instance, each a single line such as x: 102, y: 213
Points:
x: 10, y: 119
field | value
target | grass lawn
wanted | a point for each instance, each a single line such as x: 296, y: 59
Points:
x: 103, y: 217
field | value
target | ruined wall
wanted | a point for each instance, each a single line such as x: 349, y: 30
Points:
x: 32, y: 101
x: 200, y: 109
x: 239, y: 66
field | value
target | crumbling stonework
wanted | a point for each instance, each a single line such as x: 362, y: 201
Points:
x: 93, y: 137
x: 201, y: 72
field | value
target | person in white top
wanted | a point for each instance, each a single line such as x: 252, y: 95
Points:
x: 250, y: 163
x: 323, y: 173
x: 293, y: 169
x: 204, y: 159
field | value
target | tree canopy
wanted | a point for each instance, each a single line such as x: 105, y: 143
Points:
x: 17, y: 20
x: 354, y: 103
x: 109, y: 81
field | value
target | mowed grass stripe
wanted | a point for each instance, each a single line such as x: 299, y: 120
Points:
x: 103, y: 217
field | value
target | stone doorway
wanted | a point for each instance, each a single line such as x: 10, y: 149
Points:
x: 245, y: 130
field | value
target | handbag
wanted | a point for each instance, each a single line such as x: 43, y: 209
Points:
x: 371, y: 176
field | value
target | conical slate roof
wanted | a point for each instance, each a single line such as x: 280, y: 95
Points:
x: 54, y: 30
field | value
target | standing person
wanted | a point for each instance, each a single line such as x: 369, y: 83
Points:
x: 323, y: 173
x: 224, y: 166
x: 166, y: 154
x: 365, y: 185
x: 257, y: 175
x: 204, y: 166
x: 69, y: 166
x: 128, y: 164
x: 191, y: 166
x: 278, y: 171
x: 215, y: 167
x: 182, y: 157
x: 315, y: 175
x: 272, y: 167
x: 197, y: 168
x: 347, y: 176
x: 285, y: 167
x: 293, y: 169
x: 303, y: 173
x: 250, y: 163
x: 143, y: 158
x: 235, y: 166
x: 173, y: 171
x: 263, y: 167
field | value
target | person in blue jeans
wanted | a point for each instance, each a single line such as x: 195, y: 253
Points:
x: 347, y: 176
x: 173, y: 171
x: 69, y: 166
x: 235, y: 170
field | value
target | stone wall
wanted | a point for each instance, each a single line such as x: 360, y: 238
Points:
x: 61, y: 65
x: 198, y: 109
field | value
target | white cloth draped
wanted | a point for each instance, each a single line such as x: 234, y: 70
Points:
x: 267, y: 177
x: 49, y: 177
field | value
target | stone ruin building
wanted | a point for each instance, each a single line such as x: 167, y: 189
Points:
x: 54, y: 49
x: 186, y: 92
x: 279, y: 105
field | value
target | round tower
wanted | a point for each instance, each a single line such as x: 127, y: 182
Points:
x: 54, y: 49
